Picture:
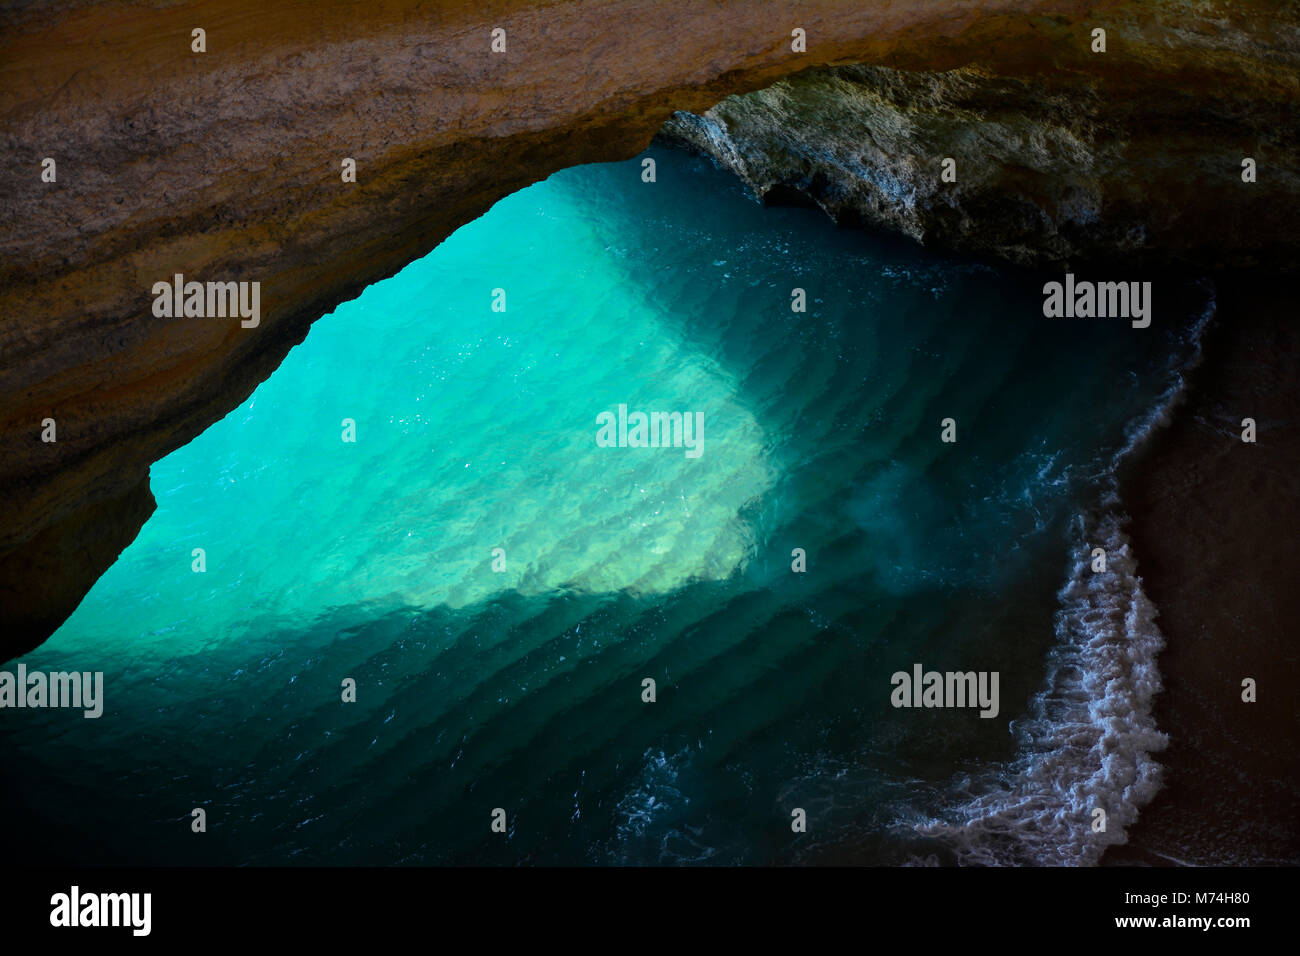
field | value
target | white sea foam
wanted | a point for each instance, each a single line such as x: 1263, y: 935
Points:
x: 650, y: 817
x: 1088, y: 740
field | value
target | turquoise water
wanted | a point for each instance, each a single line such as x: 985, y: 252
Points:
x: 521, y: 688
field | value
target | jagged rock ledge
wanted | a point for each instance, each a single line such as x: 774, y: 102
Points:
x: 225, y: 165
x: 1047, y: 170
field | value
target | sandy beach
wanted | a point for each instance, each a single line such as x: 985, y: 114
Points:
x: 1215, y: 524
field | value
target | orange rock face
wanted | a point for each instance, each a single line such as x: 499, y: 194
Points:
x: 225, y: 165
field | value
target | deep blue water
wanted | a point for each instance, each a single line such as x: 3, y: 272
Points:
x: 522, y: 688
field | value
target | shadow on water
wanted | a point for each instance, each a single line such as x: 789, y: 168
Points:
x: 531, y: 704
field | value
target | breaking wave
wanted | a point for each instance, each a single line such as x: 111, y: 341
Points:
x: 1088, y: 741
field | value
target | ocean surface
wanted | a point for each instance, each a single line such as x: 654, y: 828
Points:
x: 513, y: 678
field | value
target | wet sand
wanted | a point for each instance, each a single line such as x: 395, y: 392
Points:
x: 1215, y: 527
